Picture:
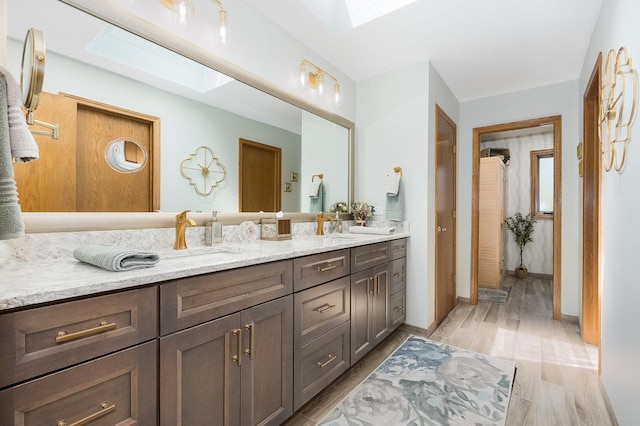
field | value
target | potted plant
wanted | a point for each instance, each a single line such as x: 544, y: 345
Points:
x: 361, y: 211
x: 522, y: 228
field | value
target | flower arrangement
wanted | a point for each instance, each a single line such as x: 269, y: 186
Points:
x: 361, y: 211
x: 339, y: 207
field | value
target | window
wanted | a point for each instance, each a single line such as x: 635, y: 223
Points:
x: 542, y: 184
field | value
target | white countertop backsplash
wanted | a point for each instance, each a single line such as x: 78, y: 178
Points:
x: 41, y: 268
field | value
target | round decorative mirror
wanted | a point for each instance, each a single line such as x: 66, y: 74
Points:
x: 125, y: 155
x: 32, y: 74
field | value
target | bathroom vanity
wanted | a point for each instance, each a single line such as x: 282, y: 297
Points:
x: 244, y: 337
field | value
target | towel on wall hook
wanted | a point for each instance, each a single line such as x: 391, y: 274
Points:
x: 394, y: 207
x: 23, y: 145
x: 393, y: 181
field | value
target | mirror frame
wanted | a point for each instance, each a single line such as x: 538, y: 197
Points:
x: 65, y: 222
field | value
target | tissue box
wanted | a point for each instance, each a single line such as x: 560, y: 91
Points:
x: 275, y: 229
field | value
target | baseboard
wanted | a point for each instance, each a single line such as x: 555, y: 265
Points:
x: 607, y: 403
x: 418, y: 330
x: 464, y: 300
x: 569, y: 318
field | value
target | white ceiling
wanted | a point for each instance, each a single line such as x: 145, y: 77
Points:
x: 480, y: 47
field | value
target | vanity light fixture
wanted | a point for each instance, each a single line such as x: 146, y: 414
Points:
x: 315, y: 79
x: 184, y: 10
x: 619, y: 85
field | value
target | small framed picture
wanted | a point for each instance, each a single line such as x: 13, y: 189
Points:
x: 294, y: 177
x: 287, y: 187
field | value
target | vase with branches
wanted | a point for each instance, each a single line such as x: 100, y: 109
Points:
x: 522, y: 228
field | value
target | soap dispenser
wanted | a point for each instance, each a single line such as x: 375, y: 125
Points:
x: 213, y: 230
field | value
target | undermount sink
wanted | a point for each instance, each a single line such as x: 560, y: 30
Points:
x: 201, y: 251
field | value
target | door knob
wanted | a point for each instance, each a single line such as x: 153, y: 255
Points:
x: 441, y: 229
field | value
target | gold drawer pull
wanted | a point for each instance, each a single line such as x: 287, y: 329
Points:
x: 326, y: 268
x: 238, y: 358
x: 64, y: 337
x: 401, y: 276
x: 249, y: 352
x: 105, y: 409
x: 327, y: 362
x: 322, y: 309
x: 398, y: 309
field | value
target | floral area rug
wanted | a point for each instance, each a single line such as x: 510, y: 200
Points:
x: 429, y: 383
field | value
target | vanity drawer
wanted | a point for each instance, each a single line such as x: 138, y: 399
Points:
x: 364, y: 257
x: 398, y: 275
x: 320, y: 268
x: 116, y: 389
x: 397, y: 308
x: 319, y: 309
x: 41, y: 340
x: 398, y: 248
x: 319, y: 363
x: 190, y: 301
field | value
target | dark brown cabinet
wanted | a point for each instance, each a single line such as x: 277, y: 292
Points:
x: 369, y: 309
x: 235, y: 370
x: 115, y: 389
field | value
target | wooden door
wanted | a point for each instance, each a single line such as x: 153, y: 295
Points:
x: 445, y: 202
x: 100, y: 187
x: 199, y: 380
x: 260, y: 177
x: 49, y: 183
x: 267, y: 367
x: 591, y: 227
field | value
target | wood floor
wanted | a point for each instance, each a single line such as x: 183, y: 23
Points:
x: 556, y: 381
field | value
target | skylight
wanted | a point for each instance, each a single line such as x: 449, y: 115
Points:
x: 134, y: 52
x: 363, y: 11
x: 345, y: 15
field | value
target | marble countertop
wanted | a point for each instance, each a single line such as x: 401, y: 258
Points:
x: 48, y: 279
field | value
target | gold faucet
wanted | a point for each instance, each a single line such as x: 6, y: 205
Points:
x: 182, y: 221
x: 321, y: 219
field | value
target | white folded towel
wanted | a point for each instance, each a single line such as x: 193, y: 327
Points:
x: 314, y: 188
x: 113, y: 258
x: 23, y: 145
x: 392, y: 183
x: 371, y: 231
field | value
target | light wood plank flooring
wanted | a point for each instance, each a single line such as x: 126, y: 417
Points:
x: 556, y: 381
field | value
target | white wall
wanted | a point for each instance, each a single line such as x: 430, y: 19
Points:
x: 392, y: 130
x: 538, y: 254
x: 618, y: 26
x: 556, y: 99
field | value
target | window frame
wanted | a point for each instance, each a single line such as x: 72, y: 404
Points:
x: 535, y: 190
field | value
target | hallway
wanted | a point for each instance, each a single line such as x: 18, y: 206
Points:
x: 556, y: 381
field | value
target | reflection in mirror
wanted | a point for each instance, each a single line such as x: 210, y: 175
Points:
x: 125, y: 155
x: 196, y: 106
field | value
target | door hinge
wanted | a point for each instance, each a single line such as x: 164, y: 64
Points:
x: 453, y: 148
x: 453, y: 278
x: 453, y: 214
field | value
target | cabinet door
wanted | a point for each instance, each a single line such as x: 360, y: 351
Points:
x: 199, y: 378
x: 380, y: 318
x: 361, y: 300
x: 118, y: 389
x: 267, y: 365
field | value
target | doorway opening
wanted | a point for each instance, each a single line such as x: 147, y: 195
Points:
x: 555, y: 123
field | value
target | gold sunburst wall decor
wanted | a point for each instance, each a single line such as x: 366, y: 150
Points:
x: 203, y: 170
x: 617, y: 108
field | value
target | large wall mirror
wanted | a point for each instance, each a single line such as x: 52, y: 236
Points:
x: 163, y: 77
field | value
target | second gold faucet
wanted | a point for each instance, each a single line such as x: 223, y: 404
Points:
x: 321, y: 219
